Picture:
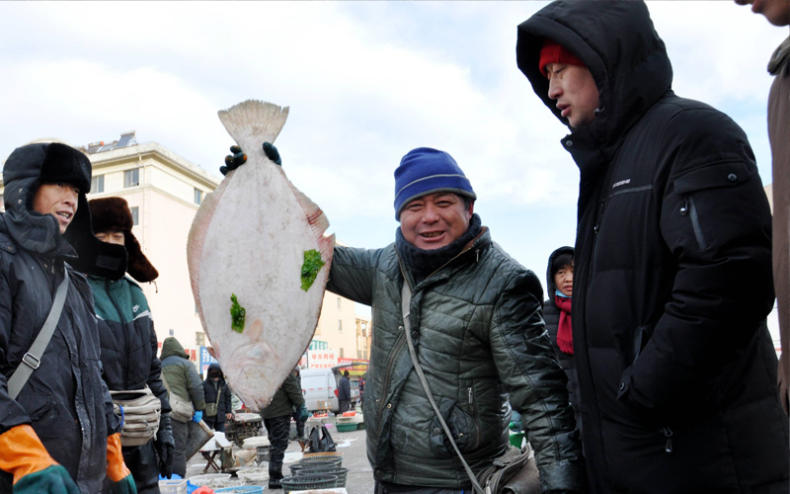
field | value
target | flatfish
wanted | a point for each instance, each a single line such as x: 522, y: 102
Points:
x: 258, y: 262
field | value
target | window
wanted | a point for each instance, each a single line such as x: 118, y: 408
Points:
x: 341, y: 352
x: 131, y: 178
x: 200, y: 338
x: 97, y: 184
x: 135, y: 215
x: 338, y: 302
x: 171, y: 332
x: 198, y: 196
x: 340, y: 325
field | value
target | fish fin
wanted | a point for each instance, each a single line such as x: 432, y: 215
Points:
x: 196, y: 238
x: 315, y: 216
x: 326, y: 246
x: 252, y: 122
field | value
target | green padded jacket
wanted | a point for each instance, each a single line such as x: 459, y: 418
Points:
x: 479, y: 333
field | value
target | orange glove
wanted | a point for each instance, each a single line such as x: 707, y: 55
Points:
x: 116, y: 468
x: 22, y: 453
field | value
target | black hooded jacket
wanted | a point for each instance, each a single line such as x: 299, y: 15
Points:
x: 672, y: 280
x: 65, y: 400
x: 218, y: 392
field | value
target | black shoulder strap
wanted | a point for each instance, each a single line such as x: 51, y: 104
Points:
x: 32, y: 359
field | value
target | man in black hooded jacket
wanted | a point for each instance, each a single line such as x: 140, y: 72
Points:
x: 672, y: 284
x: 60, y: 430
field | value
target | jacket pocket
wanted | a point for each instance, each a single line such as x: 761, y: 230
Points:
x: 463, y: 427
x: 693, y: 187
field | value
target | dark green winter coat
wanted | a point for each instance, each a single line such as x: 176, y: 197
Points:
x: 479, y: 333
x: 180, y: 375
x: 288, y: 397
x: 128, y: 339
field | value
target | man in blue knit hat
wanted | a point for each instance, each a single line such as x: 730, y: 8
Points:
x: 475, y: 322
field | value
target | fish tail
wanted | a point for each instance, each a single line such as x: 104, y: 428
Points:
x: 252, y: 122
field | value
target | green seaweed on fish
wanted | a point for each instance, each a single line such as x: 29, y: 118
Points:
x: 310, y: 267
x: 237, y: 314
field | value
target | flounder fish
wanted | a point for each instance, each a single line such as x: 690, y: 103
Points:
x: 258, y: 262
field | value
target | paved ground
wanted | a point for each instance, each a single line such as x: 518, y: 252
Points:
x: 350, y: 445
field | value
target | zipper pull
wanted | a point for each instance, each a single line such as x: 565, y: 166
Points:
x: 668, y: 445
x: 684, y: 208
x: 469, y: 389
x: 477, y: 255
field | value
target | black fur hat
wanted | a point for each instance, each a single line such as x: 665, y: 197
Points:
x: 113, y: 214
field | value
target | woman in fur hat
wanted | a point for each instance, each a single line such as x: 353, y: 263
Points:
x: 128, y: 339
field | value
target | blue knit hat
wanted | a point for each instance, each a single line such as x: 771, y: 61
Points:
x: 425, y: 171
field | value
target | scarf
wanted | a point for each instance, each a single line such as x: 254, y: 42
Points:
x: 422, y: 263
x: 565, y: 330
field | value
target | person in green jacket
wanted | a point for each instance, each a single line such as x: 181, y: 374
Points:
x: 128, y: 339
x: 183, y: 381
x: 476, y: 322
x: 277, y: 419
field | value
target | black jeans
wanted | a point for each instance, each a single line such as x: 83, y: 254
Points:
x: 277, y: 428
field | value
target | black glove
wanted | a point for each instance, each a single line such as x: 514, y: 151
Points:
x: 238, y: 158
x: 165, y: 444
x: 233, y: 161
x: 271, y: 152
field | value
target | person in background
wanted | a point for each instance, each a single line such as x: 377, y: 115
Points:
x: 59, y: 434
x: 344, y: 392
x: 777, y: 12
x: 277, y: 419
x: 183, y: 382
x: 672, y: 272
x: 217, y: 395
x: 557, y: 314
x: 300, y: 416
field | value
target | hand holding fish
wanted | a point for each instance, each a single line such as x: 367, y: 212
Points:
x: 238, y: 158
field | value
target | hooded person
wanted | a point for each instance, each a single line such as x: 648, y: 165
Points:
x: 557, y: 314
x: 128, y: 340
x: 58, y: 432
x: 672, y: 278
x: 217, y: 395
x: 183, y: 384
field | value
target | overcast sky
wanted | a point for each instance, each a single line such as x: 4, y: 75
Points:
x: 365, y: 82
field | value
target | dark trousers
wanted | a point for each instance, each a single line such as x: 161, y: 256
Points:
x: 211, y: 421
x: 181, y: 434
x: 277, y: 428
x: 345, y: 405
x: 142, y: 462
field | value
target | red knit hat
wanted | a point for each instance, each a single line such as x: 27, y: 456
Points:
x: 553, y: 52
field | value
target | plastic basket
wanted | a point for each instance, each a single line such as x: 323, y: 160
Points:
x: 346, y: 427
x: 341, y: 473
x: 244, y: 489
x: 315, y: 460
x: 173, y: 486
x: 308, y: 482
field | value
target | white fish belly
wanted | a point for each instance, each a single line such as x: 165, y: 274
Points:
x: 254, y: 248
